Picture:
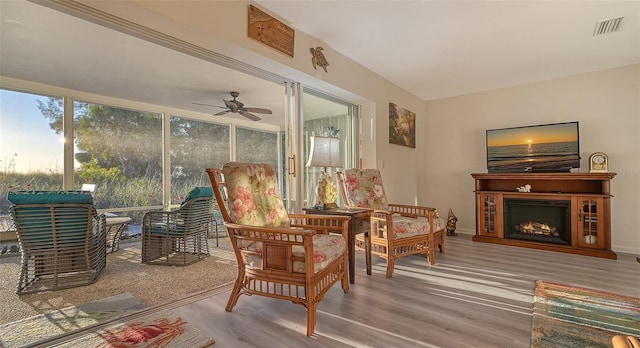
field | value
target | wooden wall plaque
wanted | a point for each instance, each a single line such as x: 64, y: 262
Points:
x: 270, y: 31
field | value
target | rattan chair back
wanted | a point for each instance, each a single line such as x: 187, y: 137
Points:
x: 179, y: 237
x: 63, y: 245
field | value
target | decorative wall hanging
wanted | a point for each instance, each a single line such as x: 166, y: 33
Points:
x: 270, y: 31
x: 318, y: 58
x: 402, y: 126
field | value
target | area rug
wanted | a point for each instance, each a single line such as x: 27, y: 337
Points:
x: 153, y: 285
x: 57, y: 322
x: 569, y: 316
x: 161, y: 329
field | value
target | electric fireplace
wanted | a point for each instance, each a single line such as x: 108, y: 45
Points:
x: 538, y: 220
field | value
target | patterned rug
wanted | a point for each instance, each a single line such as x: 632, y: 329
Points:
x: 57, y: 322
x: 569, y: 316
x: 161, y: 329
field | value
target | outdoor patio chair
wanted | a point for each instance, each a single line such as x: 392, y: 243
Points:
x: 179, y: 237
x: 62, y: 239
x: 284, y: 256
x: 396, y: 230
x: 217, y: 223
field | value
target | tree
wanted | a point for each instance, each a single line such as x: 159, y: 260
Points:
x: 196, y: 145
x: 115, y: 137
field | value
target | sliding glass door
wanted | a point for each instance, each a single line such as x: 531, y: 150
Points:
x: 325, y: 115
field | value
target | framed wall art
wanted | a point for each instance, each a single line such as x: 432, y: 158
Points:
x: 402, y: 126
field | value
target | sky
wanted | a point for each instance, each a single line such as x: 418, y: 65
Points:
x: 553, y: 133
x: 26, y: 139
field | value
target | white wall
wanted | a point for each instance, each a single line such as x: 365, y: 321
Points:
x: 607, y: 105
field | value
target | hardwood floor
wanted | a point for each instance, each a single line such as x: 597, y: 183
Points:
x: 477, y: 295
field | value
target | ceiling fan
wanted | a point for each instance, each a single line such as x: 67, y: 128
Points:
x: 234, y: 106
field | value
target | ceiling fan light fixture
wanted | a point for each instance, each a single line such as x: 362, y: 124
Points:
x: 236, y: 107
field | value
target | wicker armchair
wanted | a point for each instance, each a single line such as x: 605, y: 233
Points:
x: 62, y: 239
x: 178, y: 238
x: 280, y: 255
x: 396, y: 230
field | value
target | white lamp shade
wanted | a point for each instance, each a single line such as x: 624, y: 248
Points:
x: 324, y: 152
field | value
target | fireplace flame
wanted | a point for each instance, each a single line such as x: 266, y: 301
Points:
x: 537, y: 228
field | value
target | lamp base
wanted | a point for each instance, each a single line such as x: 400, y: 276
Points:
x: 326, y: 192
x: 327, y: 206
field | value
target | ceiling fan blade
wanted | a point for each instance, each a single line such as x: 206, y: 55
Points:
x: 249, y: 115
x: 221, y: 113
x: 258, y: 110
x: 215, y: 106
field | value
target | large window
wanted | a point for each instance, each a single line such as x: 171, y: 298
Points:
x: 257, y: 146
x: 195, y: 146
x: 119, y: 150
x: 31, y: 145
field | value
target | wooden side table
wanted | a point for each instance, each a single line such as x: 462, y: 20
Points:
x: 359, y: 223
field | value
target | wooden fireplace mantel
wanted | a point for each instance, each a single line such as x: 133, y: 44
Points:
x: 589, y: 194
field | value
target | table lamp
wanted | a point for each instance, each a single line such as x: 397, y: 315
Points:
x: 325, y: 152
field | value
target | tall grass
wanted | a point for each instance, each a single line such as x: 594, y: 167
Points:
x: 131, y: 193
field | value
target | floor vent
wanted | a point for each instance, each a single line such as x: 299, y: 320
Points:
x: 607, y: 26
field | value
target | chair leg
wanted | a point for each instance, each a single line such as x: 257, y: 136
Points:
x: 391, y: 263
x: 311, y: 318
x: 345, y: 275
x: 235, y: 293
x: 431, y: 255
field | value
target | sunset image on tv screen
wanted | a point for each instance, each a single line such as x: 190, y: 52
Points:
x: 545, y: 147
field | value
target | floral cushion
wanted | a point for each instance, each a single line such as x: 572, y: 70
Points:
x: 404, y: 227
x: 364, y: 189
x: 326, y: 248
x: 254, y: 197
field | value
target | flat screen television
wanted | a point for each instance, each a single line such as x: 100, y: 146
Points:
x: 539, y: 148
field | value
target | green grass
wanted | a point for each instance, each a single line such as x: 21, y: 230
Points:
x: 133, y: 192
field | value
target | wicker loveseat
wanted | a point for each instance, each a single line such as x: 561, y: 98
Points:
x: 62, y: 239
x: 285, y: 256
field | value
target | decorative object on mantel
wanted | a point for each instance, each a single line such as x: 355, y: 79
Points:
x: 598, y: 163
x: 525, y: 188
x: 402, y: 126
x: 325, y: 152
x: 270, y: 31
x: 451, y: 223
x: 318, y: 58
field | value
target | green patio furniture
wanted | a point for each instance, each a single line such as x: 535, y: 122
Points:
x: 179, y: 237
x: 61, y: 237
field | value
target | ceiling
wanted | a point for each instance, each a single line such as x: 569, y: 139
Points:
x: 46, y: 46
x: 433, y: 49
x: 437, y: 49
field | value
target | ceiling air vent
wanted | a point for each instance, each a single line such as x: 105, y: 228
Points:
x: 607, y: 26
